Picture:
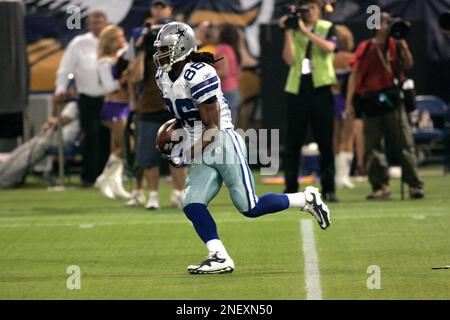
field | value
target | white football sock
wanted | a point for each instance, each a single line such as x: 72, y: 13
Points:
x: 216, y: 245
x: 296, y: 200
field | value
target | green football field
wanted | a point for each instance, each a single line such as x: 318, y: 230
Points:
x: 127, y: 253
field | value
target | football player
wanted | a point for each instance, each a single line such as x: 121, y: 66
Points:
x: 191, y: 89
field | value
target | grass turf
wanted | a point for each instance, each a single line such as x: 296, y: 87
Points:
x: 135, y: 254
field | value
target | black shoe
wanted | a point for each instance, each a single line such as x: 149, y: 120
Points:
x: 330, y: 197
x: 379, y: 194
x: 416, y: 192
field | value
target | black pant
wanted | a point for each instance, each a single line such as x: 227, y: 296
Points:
x: 313, y: 106
x: 96, y: 138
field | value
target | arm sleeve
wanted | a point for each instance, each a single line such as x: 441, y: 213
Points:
x: 354, y: 62
x: 205, y: 84
x: 66, y: 67
x: 70, y: 111
x: 106, y: 76
x: 331, y: 36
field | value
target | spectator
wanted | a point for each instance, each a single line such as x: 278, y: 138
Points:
x: 80, y: 59
x: 69, y: 117
x: 372, y: 80
x: 70, y: 130
x: 207, y: 37
x: 152, y: 113
x: 229, y: 68
x: 114, y: 113
x: 309, y: 51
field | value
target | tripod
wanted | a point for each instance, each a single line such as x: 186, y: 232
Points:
x: 398, y: 84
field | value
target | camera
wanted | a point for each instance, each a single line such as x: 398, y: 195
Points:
x: 444, y: 21
x: 149, y: 33
x: 399, y: 29
x: 294, y: 13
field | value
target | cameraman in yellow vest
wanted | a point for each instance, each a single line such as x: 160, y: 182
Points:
x: 309, y: 47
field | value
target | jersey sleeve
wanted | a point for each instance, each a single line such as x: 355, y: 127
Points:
x: 203, y: 82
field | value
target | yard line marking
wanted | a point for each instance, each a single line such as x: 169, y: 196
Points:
x: 90, y: 225
x: 24, y: 224
x: 86, y: 226
x: 312, y: 273
x: 409, y: 215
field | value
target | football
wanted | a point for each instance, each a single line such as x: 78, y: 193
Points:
x: 164, y: 142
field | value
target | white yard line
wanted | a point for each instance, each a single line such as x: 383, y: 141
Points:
x: 312, y: 273
x: 25, y: 223
x: 90, y: 225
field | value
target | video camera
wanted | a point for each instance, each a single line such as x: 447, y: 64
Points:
x: 399, y: 28
x: 150, y: 32
x: 294, y: 13
x: 444, y: 21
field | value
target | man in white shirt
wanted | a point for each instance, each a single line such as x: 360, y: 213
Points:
x: 80, y: 60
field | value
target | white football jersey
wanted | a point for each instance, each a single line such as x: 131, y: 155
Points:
x: 197, y: 83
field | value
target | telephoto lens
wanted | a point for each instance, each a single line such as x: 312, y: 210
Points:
x: 444, y: 21
x: 399, y: 28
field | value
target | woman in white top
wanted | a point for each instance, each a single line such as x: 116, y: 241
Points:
x: 115, y: 110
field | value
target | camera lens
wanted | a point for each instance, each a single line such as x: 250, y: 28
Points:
x: 444, y: 21
x: 399, y: 29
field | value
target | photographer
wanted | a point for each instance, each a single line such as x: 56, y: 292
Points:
x: 373, y: 91
x: 309, y: 48
x: 146, y: 101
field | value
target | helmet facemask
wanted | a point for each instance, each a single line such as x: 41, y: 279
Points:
x: 164, y: 58
x: 174, y: 43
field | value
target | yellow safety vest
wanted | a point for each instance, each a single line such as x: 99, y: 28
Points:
x: 323, y: 72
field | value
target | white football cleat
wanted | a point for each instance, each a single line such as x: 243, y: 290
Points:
x: 216, y: 263
x: 176, y: 197
x: 137, y: 199
x: 153, y: 201
x: 316, y: 207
